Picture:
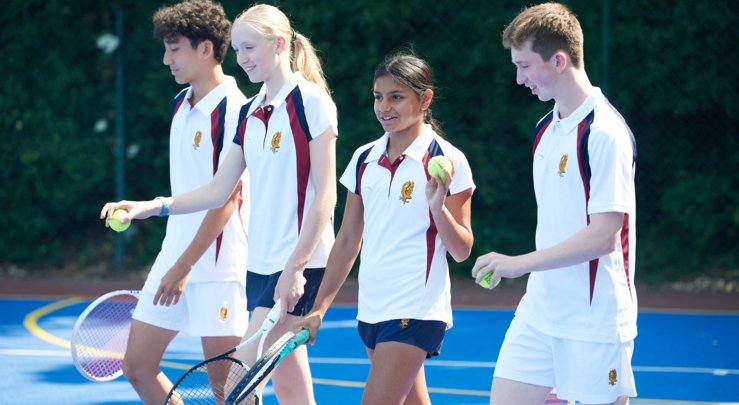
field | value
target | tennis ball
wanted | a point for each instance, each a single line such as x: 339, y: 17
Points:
x: 438, y: 164
x: 115, y: 221
x: 485, y: 282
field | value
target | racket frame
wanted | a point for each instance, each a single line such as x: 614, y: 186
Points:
x: 78, y: 325
x: 273, y: 316
x: 285, y: 345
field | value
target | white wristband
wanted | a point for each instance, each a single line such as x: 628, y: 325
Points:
x: 165, y: 207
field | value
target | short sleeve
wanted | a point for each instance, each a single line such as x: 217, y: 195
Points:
x: 240, y: 125
x: 611, y: 160
x: 462, y: 178
x: 320, y: 112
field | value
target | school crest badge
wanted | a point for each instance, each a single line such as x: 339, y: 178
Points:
x: 562, y: 165
x: 406, y: 191
x: 276, y: 138
x: 612, y: 377
x: 196, y: 140
x: 404, y: 323
x: 223, y: 312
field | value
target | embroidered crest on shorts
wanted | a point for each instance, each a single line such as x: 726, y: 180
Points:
x: 276, y: 141
x: 562, y: 165
x: 223, y: 312
x: 612, y: 377
x: 196, y: 140
x: 404, y: 323
x: 406, y: 191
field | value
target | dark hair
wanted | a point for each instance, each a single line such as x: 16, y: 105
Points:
x: 198, y: 21
x: 410, y: 70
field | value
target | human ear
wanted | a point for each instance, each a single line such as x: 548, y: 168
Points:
x: 560, y: 60
x: 206, y: 47
x: 426, y: 98
x: 280, y: 44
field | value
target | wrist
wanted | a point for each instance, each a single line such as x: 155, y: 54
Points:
x: 164, y: 211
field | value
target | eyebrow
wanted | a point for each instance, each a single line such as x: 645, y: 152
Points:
x: 390, y: 92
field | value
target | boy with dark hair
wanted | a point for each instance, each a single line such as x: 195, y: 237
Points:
x: 197, y: 283
x: 576, y: 324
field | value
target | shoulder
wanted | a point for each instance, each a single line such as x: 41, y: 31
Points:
x: 364, y: 150
x: 609, y: 124
x: 449, y: 150
x: 246, y: 105
x: 312, y: 91
x: 235, y: 96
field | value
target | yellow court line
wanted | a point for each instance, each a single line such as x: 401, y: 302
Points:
x: 30, y: 322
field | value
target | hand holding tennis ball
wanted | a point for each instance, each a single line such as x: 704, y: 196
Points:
x: 438, y: 164
x: 485, y: 282
x: 115, y: 220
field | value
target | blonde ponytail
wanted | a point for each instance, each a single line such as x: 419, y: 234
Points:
x: 305, y: 60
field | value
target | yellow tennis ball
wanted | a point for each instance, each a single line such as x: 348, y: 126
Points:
x: 485, y: 282
x: 115, y: 221
x: 438, y: 164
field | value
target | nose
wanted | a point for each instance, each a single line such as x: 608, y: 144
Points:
x: 520, y: 77
x: 241, y: 58
x: 383, y: 105
x: 166, y: 59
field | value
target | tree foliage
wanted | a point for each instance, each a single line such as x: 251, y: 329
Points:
x: 670, y: 72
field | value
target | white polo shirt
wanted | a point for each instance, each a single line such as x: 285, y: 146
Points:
x: 592, y: 301
x: 403, y: 271
x: 275, y: 140
x: 199, y: 141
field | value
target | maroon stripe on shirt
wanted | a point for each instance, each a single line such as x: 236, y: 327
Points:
x: 625, y: 251
x: 431, y: 232
x: 583, y: 130
x: 217, y: 129
x: 302, y: 154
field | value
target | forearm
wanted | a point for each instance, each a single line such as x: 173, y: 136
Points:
x: 597, y: 239
x: 343, y: 255
x: 457, y: 238
x: 314, y: 224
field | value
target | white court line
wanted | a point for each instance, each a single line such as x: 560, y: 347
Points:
x: 719, y: 372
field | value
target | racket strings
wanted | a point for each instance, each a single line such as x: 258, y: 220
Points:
x: 209, y: 383
x: 102, y: 338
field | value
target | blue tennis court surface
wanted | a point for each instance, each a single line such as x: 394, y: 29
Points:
x: 680, y: 358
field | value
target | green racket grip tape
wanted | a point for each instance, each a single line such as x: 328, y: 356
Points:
x: 485, y: 282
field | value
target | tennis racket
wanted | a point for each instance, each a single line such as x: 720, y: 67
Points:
x: 244, y: 392
x: 100, y: 335
x: 212, y: 380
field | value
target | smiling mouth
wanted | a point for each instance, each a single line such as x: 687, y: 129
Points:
x: 386, y: 118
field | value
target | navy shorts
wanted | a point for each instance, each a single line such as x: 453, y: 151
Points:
x: 260, y: 290
x: 427, y: 335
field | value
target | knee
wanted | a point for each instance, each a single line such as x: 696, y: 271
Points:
x: 134, y: 372
x: 290, y: 393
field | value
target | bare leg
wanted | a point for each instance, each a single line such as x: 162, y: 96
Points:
x: 419, y: 394
x: 394, y: 372
x: 509, y: 392
x: 146, y: 345
x: 213, y: 346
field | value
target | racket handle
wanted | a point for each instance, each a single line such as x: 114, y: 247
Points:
x: 273, y: 316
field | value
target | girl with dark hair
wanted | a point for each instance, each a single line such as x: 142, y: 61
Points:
x: 405, y: 220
